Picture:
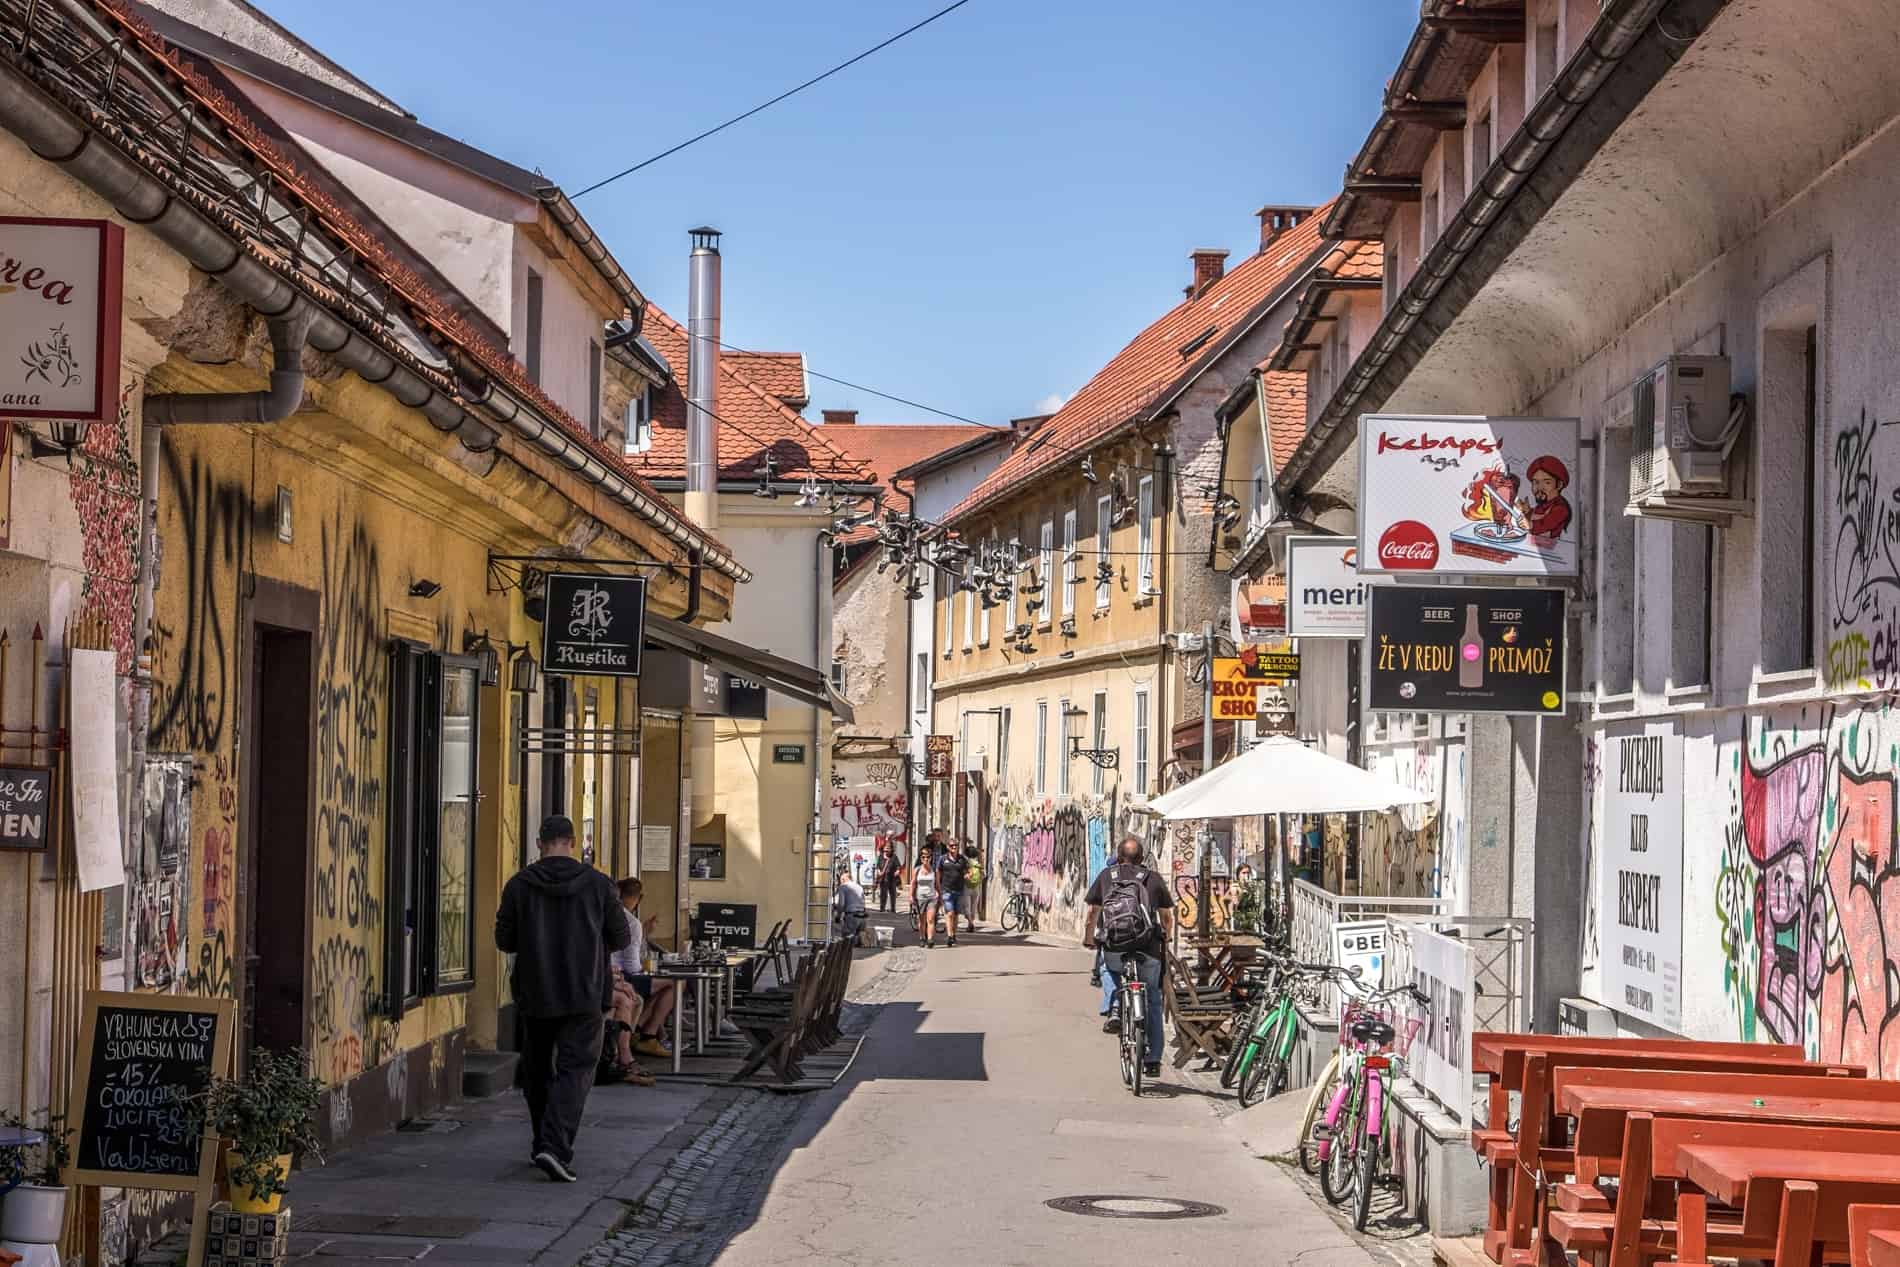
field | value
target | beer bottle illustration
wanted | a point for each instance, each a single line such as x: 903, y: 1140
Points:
x: 1471, y: 652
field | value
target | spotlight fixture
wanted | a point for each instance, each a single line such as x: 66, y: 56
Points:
x: 423, y: 587
x: 64, y: 435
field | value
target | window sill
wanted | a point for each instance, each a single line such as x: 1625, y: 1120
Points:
x: 1689, y: 694
x: 1616, y: 705
x: 1780, y: 685
x: 1101, y: 609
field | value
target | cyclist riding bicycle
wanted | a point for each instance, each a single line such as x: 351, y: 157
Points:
x: 1130, y: 909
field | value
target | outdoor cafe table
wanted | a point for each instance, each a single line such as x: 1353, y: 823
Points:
x: 1601, y: 1111
x: 699, y: 977
x: 1756, y: 1179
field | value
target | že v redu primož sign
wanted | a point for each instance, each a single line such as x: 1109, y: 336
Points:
x: 26, y: 813
x: 145, y: 1067
x: 594, y: 625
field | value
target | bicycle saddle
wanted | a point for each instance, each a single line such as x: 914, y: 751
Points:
x: 1372, y: 1031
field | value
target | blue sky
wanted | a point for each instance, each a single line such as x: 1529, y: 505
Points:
x: 976, y: 217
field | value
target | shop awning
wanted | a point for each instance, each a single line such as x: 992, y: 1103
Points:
x: 788, y: 677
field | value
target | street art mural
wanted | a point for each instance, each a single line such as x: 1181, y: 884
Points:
x: 1056, y: 849
x: 1863, y: 606
x: 883, y: 812
x: 1807, y: 889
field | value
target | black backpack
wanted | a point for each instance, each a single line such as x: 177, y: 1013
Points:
x: 1127, y: 923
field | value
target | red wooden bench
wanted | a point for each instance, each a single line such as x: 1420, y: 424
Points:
x: 1873, y: 1235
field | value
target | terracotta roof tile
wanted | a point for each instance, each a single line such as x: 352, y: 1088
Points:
x: 309, y: 183
x: 888, y: 448
x: 753, y: 422
x: 1285, y: 394
x: 1141, y: 374
x: 780, y: 373
x: 1354, y: 260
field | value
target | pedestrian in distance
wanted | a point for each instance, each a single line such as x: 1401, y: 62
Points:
x: 561, y: 920
x: 953, y: 870
x: 890, y: 873
x: 1130, y: 910
x: 923, y: 890
x: 972, y: 885
x: 847, y: 906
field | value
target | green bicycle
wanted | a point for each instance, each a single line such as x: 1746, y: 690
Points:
x: 1261, y: 1062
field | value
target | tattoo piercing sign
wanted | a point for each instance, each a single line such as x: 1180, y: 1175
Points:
x: 1468, y: 496
x: 60, y: 299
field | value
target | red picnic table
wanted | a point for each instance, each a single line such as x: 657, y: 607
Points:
x: 1795, y: 1196
x: 1873, y: 1235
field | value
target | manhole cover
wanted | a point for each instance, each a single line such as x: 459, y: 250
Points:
x: 1112, y: 1207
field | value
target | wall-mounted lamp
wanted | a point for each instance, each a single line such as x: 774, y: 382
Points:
x: 63, y: 436
x: 478, y: 645
x: 423, y: 587
x: 523, y: 673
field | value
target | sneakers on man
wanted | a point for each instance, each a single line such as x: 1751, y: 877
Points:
x: 554, y: 1168
x: 1113, y: 1025
x: 1152, y: 1069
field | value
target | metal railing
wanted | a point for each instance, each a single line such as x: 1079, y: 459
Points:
x: 1315, y: 912
x: 1501, y: 949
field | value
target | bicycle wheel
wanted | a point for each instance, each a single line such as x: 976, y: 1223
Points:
x: 1336, y: 1177
x: 1279, y: 1055
x: 1362, y: 1197
x: 1135, y: 1034
x: 1012, y: 915
x: 1131, y: 1066
x: 1238, y: 1053
x: 1255, y: 1076
x: 1322, y: 1090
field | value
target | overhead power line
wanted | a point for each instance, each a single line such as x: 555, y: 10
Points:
x: 789, y: 92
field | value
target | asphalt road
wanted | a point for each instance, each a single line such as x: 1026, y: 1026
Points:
x: 987, y: 1088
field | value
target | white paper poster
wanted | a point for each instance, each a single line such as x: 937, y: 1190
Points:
x: 1476, y: 497
x: 95, y: 767
x: 1639, y: 874
x: 1326, y: 596
x: 656, y: 847
x: 1439, y: 1056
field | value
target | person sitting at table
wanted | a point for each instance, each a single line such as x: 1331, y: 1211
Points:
x: 657, y: 996
x: 616, y: 1056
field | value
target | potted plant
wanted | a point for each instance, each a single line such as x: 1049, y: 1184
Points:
x: 35, y: 1209
x: 264, y: 1117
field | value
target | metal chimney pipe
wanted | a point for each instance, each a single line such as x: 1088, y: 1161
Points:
x: 702, y: 379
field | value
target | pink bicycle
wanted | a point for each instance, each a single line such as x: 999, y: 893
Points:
x: 1351, y: 1135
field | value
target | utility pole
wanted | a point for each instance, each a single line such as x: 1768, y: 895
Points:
x: 1207, y: 767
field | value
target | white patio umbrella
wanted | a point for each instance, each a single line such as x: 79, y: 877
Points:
x: 1283, y: 776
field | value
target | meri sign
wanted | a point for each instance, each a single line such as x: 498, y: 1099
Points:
x: 1326, y: 596
x: 1639, y: 874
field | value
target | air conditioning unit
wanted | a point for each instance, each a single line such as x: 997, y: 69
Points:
x: 1683, y: 430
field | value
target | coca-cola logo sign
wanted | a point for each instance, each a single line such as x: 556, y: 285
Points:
x: 1408, y: 545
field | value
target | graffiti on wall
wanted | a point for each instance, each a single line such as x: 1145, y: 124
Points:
x: 158, y: 883
x: 1592, y: 777
x: 1399, y: 851
x: 869, y: 811
x: 1863, y: 609
x: 1808, y: 889
x: 352, y: 682
x: 193, y: 656
x: 1052, y: 850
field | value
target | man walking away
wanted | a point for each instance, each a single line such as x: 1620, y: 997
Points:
x: 952, y: 870
x: 560, y: 919
x: 1129, y: 913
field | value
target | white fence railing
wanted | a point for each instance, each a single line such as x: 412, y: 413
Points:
x: 1500, y: 964
x: 1315, y: 912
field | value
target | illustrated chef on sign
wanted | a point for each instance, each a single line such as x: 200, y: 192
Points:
x: 1547, y: 513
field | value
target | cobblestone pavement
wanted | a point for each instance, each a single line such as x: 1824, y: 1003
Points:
x: 714, y: 1186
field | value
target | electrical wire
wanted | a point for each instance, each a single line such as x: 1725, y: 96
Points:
x: 789, y: 92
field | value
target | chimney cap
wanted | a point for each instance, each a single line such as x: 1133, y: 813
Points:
x: 705, y: 237
x: 840, y: 417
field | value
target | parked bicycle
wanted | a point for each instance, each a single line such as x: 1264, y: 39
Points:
x: 1019, y: 913
x: 1131, y: 1008
x: 1260, y: 1059
x: 1351, y: 1137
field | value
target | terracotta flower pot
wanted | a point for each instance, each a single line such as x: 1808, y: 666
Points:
x: 242, y: 1199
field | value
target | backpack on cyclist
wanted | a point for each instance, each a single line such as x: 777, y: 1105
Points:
x: 1127, y: 923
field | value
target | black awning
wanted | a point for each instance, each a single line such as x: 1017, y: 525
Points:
x: 788, y: 677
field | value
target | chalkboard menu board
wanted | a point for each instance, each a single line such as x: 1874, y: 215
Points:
x: 26, y: 807
x: 143, y: 1056
x: 733, y: 925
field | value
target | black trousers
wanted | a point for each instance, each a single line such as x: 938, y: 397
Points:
x: 558, y: 1057
x: 887, y: 895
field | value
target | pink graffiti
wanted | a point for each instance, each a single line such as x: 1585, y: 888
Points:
x: 1039, y: 864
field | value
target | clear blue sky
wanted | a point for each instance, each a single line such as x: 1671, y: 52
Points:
x: 976, y: 217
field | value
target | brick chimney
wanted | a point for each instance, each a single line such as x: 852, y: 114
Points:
x: 840, y: 417
x: 1276, y: 220
x: 1022, y: 428
x: 1209, y: 264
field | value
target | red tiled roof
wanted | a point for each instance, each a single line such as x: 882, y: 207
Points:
x: 1354, y: 261
x: 752, y: 421
x: 308, y: 183
x: 1141, y: 374
x: 780, y: 373
x: 888, y: 448
x: 1285, y: 394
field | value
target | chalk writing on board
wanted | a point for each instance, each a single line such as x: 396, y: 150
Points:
x: 145, y: 1068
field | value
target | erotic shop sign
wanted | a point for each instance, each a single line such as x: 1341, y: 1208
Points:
x: 60, y: 289
x: 1468, y: 496
x: 1465, y: 649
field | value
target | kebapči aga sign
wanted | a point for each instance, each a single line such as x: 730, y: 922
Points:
x: 1465, y: 649
x: 1472, y: 497
x: 60, y: 289
x: 594, y: 624
x: 1639, y: 873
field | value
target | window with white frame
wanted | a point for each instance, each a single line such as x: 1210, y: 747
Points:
x: 1141, y: 741
x: 1043, y: 572
x: 966, y: 759
x: 1042, y: 747
x: 983, y: 617
x: 1145, y: 532
x: 640, y: 420
x: 1101, y: 738
x: 1257, y: 496
x: 1009, y: 605
x: 1062, y: 747
x: 920, y: 694
x: 1069, y: 561
x: 969, y: 619
x: 1002, y: 748
x: 1104, y: 520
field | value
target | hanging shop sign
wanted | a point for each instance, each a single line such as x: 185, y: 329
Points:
x: 939, y: 756
x: 745, y: 699
x: 1238, y: 680
x: 1465, y: 649
x: 1468, y: 496
x: 1326, y: 596
x: 595, y: 625
x: 1259, y: 608
x: 1275, y: 711
x: 60, y: 289
x: 26, y: 807
x: 1639, y: 874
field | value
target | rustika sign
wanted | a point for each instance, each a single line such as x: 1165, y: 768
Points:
x: 594, y: 625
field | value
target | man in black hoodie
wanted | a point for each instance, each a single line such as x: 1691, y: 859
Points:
x: 560, y: 919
